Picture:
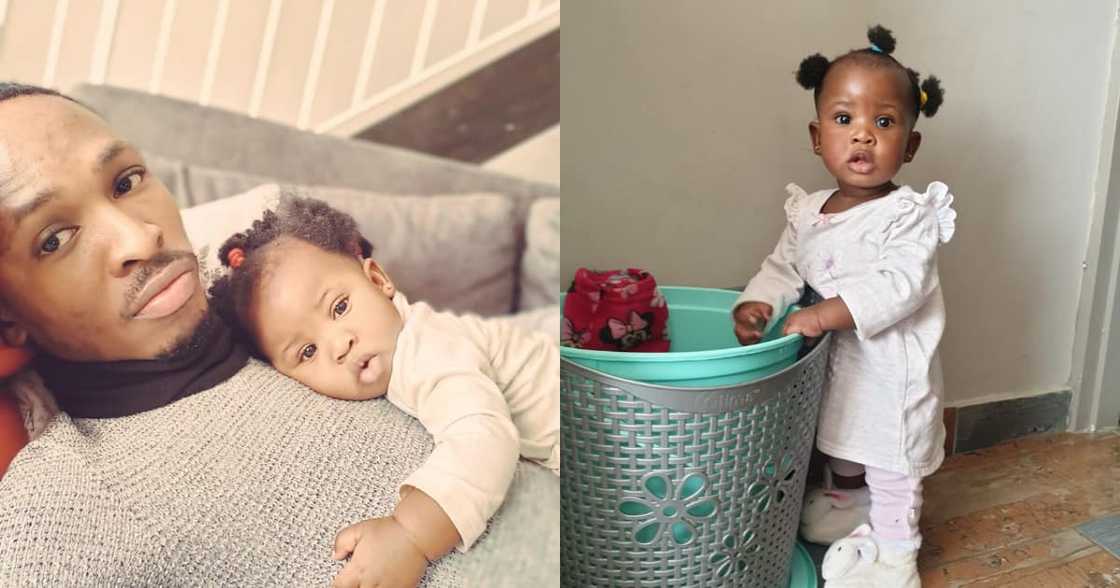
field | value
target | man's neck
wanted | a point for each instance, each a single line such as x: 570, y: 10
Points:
x: 208, y: 357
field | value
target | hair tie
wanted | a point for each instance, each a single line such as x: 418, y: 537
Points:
x: 235, y: 257
x: 923, y: 98
x: 876, y: 48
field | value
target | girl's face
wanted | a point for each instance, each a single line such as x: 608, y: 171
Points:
x: 326, y: 320
x: 863, y: 132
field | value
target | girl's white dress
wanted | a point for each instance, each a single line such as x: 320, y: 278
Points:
x: 882, y: 399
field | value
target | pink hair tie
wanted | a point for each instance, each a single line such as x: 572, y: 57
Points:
x: 235, y: 257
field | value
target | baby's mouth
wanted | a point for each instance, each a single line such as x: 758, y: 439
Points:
x: 369, y: 370
x: 861, y: 162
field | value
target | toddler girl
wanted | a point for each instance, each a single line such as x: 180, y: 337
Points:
x: 869, y: 248
x: 305, y: 294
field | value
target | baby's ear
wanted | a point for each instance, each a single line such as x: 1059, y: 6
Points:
x: 378, y: 277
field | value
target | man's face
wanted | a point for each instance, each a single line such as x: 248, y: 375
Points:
x: 94, y: 262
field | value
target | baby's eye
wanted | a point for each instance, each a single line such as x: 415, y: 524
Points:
x: 127, y: 183
x: 842, y: 119
x: 883, y: 122
x: 307, y: 352
x: 56, y: 240
x: 341, y: 307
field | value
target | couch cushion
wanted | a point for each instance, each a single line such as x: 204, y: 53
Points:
x: 540, y: 265
x: 457, y: 252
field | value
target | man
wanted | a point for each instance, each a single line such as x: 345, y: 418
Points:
x: 177, y: 460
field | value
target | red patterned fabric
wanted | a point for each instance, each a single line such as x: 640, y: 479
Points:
x: 616, y: 310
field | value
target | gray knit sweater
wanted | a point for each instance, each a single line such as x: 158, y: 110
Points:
x: 244, y: 484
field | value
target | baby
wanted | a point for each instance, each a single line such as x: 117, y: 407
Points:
x: 869, y: 248
x: 304, y: 292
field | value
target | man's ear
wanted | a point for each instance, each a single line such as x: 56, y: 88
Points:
x: 12, y: 333
x: 378, y: 277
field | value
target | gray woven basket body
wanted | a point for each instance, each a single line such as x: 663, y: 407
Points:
x: 682, y: 486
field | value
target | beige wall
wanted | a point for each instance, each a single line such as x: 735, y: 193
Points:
x: 537, y: 158
x: 683, y: 123
x: 330, y: 65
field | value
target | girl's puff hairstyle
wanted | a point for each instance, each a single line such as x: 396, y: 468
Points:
x: 927, y: 94
x: 295, y: 217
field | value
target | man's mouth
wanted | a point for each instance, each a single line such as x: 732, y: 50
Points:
x: 167, y: 291
x: 861, y: 162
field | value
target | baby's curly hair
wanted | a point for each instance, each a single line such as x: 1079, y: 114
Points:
x: 813, y: 69
x: 307, y: 219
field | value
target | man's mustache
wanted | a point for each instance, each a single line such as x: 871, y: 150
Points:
x: 150, y: 269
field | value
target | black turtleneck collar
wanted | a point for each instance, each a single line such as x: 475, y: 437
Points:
x: 122, y: 388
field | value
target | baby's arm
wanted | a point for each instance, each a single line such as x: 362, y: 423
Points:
x: 829, y: 315
x: 449, y: 499
x: 395, y: 550
x: 477, y: 448
x: 777, y: 283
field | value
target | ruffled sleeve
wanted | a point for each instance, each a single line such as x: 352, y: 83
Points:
x: 904, y: 271
x: 938, y: 196
x: 778, y: 282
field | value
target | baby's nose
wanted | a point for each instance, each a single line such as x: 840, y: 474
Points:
x: 343, y: 349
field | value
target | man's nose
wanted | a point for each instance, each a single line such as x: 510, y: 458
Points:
x: 134, y: 240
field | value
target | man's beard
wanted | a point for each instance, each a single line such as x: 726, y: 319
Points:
x: 193, y: 342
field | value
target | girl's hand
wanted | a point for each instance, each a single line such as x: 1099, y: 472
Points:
x: 381, y: 554
x: 806, y: 322
x: 750, y: 321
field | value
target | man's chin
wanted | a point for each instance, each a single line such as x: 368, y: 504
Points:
x: 195, y: 326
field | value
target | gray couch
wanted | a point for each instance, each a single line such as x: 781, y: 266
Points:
x: 499, y: 236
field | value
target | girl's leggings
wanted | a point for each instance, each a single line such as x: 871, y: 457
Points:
x: 896, y: 501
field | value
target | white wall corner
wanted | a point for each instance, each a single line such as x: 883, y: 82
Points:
x: 1090, y: 339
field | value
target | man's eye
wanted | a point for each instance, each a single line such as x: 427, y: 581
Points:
x: 307, y: 352
x: 56, y: 240
x: 341, y: 307
x: 127, y: 183
x: 842, y: 119
x: 883, y: 122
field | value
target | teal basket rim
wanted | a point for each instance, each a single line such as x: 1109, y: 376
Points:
x: 676, y: 356
x: 635, y: 386
x: 802, y: 572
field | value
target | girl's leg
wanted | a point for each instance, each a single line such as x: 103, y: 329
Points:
x: 884, y: 553
x: 846, y: 475
x: 896, y: 505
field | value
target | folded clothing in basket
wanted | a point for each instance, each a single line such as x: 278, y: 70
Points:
x: 615, y: 310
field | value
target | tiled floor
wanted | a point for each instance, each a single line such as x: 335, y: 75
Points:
x: 1008, y: 515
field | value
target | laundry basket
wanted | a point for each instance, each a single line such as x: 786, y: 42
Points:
x: 667, y: 486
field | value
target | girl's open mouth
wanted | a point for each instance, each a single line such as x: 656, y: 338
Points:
x: 860, y: 162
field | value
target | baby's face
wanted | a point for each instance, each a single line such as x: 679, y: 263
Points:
x: 865, y: 122
x: 327, y: 320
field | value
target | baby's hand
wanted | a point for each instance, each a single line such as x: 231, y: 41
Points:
x: 381, y: 554
x: 806, y: 322
x: 750, y: 321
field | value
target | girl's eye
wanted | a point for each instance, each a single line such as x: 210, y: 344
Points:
x: 341, y: 307
x: 56, y: 240
x: 883, y: 122
x: 307, y: 352
x: 127, y: 183
x: 842, y: 119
